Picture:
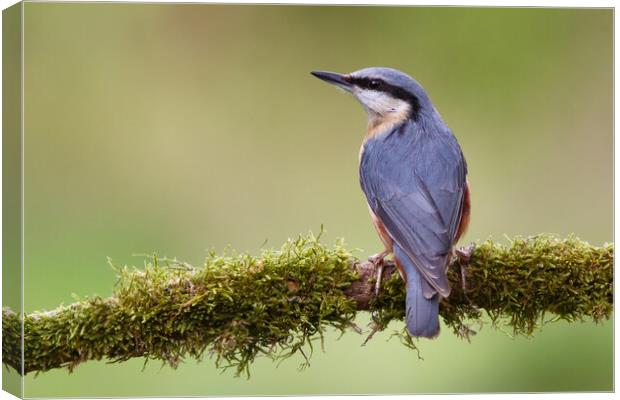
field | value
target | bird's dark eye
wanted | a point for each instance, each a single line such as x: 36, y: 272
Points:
x: 374, y: 84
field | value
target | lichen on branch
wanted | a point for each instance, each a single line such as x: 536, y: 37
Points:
x: 237, y: 307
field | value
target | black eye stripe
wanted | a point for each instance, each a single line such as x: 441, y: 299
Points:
x: 395, y: 91
x: 367, y: 83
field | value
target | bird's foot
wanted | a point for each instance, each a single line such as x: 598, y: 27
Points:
x: 377, y: 260
x: 463, y: 256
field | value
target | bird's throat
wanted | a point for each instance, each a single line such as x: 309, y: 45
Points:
x: 380, y: 123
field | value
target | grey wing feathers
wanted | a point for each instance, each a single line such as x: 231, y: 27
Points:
x: 414, y: 183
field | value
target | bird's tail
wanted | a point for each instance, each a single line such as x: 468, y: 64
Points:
x: 422, y: 314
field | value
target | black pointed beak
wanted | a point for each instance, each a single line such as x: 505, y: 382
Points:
x: 333, y: 78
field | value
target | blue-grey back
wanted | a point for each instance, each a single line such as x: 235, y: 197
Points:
x: 414, y: 181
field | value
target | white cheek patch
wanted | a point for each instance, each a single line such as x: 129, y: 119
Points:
x: 379, y: 102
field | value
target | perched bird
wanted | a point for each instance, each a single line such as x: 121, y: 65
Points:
x: 413, y: 173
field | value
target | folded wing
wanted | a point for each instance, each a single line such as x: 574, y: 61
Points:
x: 415, y: 182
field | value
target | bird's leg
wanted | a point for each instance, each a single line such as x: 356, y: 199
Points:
x: 464, y: 255
x: 377, y: 260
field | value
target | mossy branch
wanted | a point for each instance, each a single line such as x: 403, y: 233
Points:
x: 238, y: 307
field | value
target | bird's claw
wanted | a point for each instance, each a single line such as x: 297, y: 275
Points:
x: 464, y: 253
x: 377, y: 260
x: 463, y: 256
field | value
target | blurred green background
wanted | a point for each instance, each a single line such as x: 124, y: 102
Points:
x: 179, y: 128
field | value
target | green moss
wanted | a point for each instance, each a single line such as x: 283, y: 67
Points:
x: 238, y: 307
x: 535, y: 276
x: 517, y: 285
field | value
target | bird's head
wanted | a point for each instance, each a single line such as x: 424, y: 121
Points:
x: 385, y: 93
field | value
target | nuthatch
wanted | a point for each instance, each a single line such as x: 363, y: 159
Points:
x: 413, y: 174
